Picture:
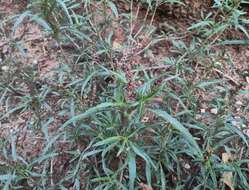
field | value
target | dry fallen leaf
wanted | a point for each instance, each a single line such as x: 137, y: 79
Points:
x: 226, y: 157
x: 143, y: 186
x: 227, y: 177
x: 116, y: 45
x: 247, y: 53
x: 239, y: 103
x: 46, y: 68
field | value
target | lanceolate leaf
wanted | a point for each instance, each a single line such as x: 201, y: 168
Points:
x: 6, y: 177
x: 178, y: 126
x: 140, y: 152
x: 90, y: 111
x: 132, y: 169
x: 19, y: 21
x: 113, y: 8
x: 66, y: 10
x: 109, y: 141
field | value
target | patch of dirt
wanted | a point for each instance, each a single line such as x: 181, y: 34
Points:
x: 32, y: 48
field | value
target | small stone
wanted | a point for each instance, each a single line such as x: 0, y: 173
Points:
x: 35, y: 62
x: 116, y: 45
x: 203, y: 110
x: 5, y: 68
x: 239, y: 103
x: 214, y: 111
x: 187, y: 166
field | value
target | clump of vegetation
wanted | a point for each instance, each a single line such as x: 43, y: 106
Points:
x: 115, y: 112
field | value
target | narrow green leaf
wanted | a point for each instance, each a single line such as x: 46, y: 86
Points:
x: 50, y: 143
x: 235, y: 42
x: 86, y: 82
x: 140, y: 152
x: 132, y: 169
x: 13, y: 147
x: 178, y: 126
x: 113, y: 7
x: 17, y: 108
x: 7, y: 177
x: 240, y: 134
x: 66, y: 10
x: 19, y: 21
x: 41, y: 22
x: 244, y: 30
x: 162, y: 176
x: 109, y: 141
x: 148, y: 173
x: 44, y: 128
x: 91, y: 153
x: 77, y: 184
x: 90, y: 111
x: 45, y: 157
x: 200, y: 24
x: 205, y: 84
x: 244, y: 92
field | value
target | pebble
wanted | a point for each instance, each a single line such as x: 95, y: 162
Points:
x: 5, y: 68
x: 239, y: 103
x: 187, y: 166
x: 35, y: 62
x: 203, y: 110
x: 214, y: 111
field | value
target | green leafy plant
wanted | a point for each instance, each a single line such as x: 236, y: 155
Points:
x: 116, y: 116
